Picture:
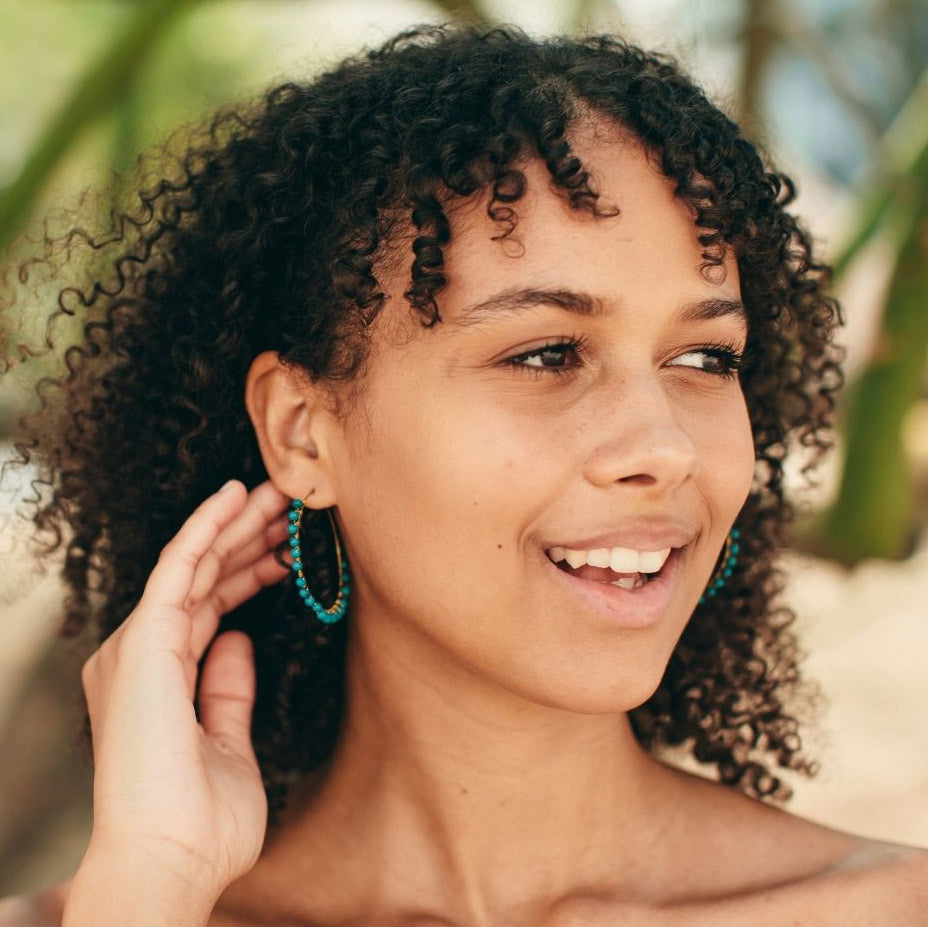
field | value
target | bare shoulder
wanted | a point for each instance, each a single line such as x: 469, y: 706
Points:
x: 763, y: 865
x: 848, y: 880
x: 43, y: 909
x: 873, y: 883
x: 880, y: 883
x: 893, y: 877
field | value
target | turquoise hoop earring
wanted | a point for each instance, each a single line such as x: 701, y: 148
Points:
x: 338, y: 608
x: 729, y: 558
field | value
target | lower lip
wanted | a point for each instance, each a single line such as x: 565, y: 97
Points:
x: 627, y: 608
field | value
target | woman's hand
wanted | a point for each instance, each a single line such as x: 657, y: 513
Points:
x: 185, y: 795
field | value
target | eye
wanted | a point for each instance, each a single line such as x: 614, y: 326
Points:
x: 720, y: 360
x: 549, y: 357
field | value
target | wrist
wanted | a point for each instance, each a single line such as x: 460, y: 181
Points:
x: 135, y: 887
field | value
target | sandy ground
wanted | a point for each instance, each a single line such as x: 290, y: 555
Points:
x: 866, y: 635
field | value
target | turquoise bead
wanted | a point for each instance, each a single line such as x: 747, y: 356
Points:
x: 339, y: 607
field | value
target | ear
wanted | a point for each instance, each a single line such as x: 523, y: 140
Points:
x: 293, y: 421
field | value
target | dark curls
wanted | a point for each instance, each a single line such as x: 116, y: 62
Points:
x: 262, y: 236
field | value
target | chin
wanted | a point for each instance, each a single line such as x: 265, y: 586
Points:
x: 600, y: 693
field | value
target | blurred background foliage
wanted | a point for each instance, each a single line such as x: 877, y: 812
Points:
x: 835, y: 91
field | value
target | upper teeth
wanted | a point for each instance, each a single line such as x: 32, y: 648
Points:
x: 619, y: 559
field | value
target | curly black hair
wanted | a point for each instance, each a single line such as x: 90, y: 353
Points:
x: 262, y: 234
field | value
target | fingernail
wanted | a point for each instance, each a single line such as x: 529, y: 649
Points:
x: 227, y: 485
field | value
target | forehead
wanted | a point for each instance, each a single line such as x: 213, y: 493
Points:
x: 646, y: 256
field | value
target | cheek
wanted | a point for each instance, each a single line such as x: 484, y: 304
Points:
x: 726, y: 453
x: 431, y: 492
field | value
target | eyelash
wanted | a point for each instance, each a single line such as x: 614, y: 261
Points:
x: 730, y: 358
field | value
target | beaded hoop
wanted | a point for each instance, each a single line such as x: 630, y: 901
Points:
x: 729, y: 558
x: 338, y: 608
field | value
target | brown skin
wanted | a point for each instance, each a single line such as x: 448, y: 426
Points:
x: 488, y: 773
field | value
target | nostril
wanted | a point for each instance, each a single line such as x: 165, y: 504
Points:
x: 643, y: 479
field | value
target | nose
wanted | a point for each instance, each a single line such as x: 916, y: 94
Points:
x: 642, y: 440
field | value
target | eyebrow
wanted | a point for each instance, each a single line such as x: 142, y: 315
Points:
x: 519, y: 299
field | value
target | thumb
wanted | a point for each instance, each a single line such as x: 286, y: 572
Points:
x: 227, y: 691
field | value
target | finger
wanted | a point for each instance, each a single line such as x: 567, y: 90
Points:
x: 229, y: 593
x: 262, y: 509
x: 227, y: 692
x: 170, y: 582
x: 269, y: 539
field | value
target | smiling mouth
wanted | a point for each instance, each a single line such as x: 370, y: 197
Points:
x: 608, y: 576
x: 625, y: 600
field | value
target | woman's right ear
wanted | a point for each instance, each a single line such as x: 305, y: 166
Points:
x: 292, y: 418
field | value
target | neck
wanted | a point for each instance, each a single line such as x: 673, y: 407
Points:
x: 446, y: 791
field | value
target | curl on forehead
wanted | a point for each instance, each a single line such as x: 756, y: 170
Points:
x: 611, y: 159
x: 492, y: 112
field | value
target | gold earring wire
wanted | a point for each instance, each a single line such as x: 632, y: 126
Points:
x: 337, y: 609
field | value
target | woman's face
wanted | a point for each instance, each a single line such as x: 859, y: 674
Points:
x: 483, y: 443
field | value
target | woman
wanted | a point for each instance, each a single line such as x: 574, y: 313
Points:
x: 530, y: 321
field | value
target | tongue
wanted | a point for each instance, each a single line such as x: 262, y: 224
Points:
x: 597, y: 574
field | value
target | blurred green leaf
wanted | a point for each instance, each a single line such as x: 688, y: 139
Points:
x: 465, y: 10
x: 873, y: 514
x: 92, y: 96
x: 906, y: 150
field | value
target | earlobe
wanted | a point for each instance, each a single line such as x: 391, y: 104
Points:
x: 290, y: 416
